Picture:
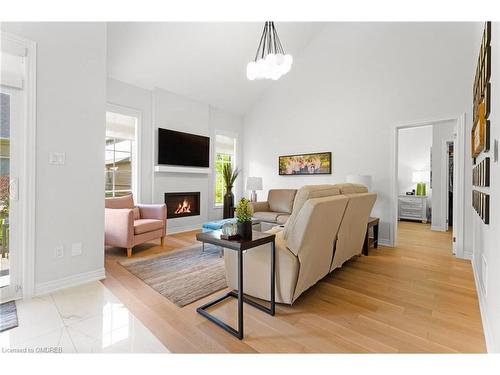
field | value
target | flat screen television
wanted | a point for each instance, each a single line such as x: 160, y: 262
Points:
x: 183, y: 149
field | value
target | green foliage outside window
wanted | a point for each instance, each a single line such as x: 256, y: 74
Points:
x: 220, y: 161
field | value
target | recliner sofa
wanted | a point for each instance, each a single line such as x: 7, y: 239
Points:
x: 278, y: 207
x: 326, y: 228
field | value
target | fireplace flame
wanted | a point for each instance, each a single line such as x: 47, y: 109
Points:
x: 183, y: 208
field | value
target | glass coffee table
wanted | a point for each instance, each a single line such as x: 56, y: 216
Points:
x: 218, y: 224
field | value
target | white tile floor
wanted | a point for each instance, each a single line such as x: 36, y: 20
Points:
x: 83, y: 319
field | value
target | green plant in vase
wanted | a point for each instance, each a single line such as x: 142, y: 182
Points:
x: 229, y: 176
x: 244, y: 218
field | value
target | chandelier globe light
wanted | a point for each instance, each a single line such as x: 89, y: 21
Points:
x: 271, y: 61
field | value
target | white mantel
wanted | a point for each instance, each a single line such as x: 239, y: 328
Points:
x: 179, y: 169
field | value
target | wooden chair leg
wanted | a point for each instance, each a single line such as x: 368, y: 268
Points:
x: 162, y: 240
x: 366, y: 243
x: 129, y: 252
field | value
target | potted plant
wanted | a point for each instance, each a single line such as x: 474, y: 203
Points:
x: 229, y: 175
x: 244, y: 218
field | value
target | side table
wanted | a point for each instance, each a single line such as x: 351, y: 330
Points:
x: 372, y: 223
x: 240, y: 245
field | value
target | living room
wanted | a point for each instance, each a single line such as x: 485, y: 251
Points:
x: 199, y: 143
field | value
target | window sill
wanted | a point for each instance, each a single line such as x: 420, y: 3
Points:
x: 218, y: 206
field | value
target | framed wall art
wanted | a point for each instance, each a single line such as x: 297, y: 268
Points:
x: 481, y: 204
x: 482, y: 96
x: 305, y: 164
x: 481, y: 173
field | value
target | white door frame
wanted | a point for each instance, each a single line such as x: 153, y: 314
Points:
x: 459, y: 159
x: 136, y: 164
x: 27, y: 178
x: 445, y: 175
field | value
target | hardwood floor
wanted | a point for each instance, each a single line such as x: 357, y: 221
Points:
x: 414, y: 298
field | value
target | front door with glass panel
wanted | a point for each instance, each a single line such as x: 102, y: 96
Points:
x: 11, y: 112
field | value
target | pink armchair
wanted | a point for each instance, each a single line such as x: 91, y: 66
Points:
x: 127, y: 225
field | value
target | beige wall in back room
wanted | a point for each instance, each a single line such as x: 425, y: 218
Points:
x: 414, y: 153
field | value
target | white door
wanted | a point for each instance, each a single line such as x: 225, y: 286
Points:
x: 12, y: 112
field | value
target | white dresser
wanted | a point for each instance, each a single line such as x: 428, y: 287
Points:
x: 412, y: 207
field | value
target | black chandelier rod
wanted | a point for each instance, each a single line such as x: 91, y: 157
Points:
x: 269, y: 41
x: 260, y: 43
x: 277, y: 41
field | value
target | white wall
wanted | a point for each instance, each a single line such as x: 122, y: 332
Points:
x: 71, y: 96
x: 348, y: 90
x: 487, y: 237
x: 175, y: 112
x: 441, y: 132
x: 161, y: 108
x: 414, y: 154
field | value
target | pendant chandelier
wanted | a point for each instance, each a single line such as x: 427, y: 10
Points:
x: 270, y: 61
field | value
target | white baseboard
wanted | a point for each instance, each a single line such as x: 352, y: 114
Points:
x: 385, y: 242
x: 488, y: 337
x: 66, y: 282
x: 439, y: 228
x: 186, y: 228
x: 467, y: 255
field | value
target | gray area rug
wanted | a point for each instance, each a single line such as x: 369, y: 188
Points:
x: 8, y: 316
x: 182, y: 276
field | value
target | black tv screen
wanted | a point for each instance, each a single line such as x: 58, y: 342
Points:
x: 184, y: 149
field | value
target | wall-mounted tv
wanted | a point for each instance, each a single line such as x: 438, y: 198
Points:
x: 183, y: 149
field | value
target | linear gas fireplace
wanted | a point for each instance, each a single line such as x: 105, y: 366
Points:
x: 182, y: 204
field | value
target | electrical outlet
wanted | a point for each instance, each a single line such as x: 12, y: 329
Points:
x: 59, y: 251
x: 76, y: 249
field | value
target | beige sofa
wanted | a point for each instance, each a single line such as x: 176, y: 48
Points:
x: 277, y: 208
x: 326, y: 228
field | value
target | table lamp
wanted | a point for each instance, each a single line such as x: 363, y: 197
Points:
x: 420, y: 178
x: 253, y: 184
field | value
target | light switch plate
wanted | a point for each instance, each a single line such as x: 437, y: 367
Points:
x: 57, y: 158
x: 76, y: 249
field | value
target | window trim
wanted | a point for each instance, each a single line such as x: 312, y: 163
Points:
x: 233, y: 158
x: 235, y: 136
x: 136, y: 162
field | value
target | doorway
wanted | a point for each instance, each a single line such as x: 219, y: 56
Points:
x: 425, y: 188
x: 17, y: 160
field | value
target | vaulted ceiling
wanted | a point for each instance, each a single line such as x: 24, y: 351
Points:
x: 203, y: 61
